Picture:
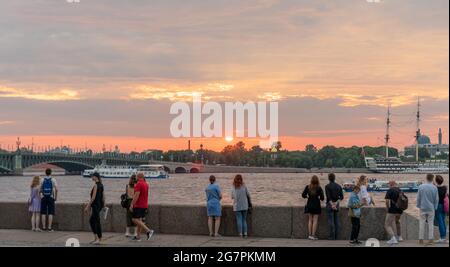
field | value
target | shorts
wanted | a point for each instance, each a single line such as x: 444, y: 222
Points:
x: 139, y: 213
x: 47, y: 206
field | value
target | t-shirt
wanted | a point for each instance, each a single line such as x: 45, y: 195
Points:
x: 98, y: 201
x: 442, y: 191
x: 54, y: 185
x: 142, y: 188
x: 213, y: 193
x: 364, y: 194
x: 393, y: 194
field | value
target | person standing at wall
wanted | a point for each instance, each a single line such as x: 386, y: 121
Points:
x: 364, y: 196
x: 440, y: 212
x: 95, y: 205
x: 130, y: 230
x: 213, y: 207
x: 34, y: 204
x: 354, y: 212
x: 394, y: 214
x: 49, y: 193
x: 427, y: 203
x: 314, y: 193
x: 334, y: 195
x: 241, y: 197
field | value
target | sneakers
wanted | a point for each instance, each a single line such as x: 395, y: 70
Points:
x: 136, y: 239
x: 441, y: 241
x: 150, y: 234
x: 355, y: 242
x: 399, y: 239
x: 311, y: 237
x: 393, y: 241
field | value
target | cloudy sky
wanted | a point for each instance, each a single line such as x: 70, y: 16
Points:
x: 106, y: 71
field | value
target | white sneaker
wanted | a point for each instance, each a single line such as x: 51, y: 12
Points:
x: 399, y: 239
x: 311, y: 237
x: 441, y: 241
x: 393, y: 241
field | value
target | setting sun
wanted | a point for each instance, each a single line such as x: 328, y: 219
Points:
x: 229, y: 139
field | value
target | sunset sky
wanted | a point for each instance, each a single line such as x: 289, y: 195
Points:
x: 107, y: 71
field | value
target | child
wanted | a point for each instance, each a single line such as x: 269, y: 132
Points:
x: 354, y: 212
x: 34, y: 204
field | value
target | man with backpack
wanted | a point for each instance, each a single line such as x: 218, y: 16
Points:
x: 396, y: 203
x: 49, y: 193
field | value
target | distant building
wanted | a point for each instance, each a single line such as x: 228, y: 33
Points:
x: 425, y: 142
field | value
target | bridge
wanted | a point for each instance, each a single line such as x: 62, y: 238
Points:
x: 14, y: 163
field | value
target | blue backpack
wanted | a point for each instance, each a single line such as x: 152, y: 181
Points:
x: 47, y: 187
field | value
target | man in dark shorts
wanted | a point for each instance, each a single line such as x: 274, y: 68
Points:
x: 49, y: 192
x: 393, y: 215
x: 139, y: 207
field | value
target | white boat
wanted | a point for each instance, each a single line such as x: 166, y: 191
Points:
x: 153, y: 171
x: 395, y: 165
x: 125, y: 172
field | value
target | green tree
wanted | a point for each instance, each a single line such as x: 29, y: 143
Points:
x: 349, y: 164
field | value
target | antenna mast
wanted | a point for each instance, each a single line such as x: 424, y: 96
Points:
x: 388, y: 126
x: 417, y: 128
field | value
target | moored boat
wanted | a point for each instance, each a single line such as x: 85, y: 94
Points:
x: 124, y: 172
x: 383, y: 186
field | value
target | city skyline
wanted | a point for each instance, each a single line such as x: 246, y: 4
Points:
x: 106, y: 72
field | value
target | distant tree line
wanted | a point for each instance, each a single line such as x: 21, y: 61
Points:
x: 310, y: 157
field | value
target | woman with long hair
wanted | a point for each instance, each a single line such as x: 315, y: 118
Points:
x: 213, y: 207
x: 95, y: 205
x: 241, y: 204
x: 440, y: 212
x: 131, y: 228
x: 314, y: 193
x: 34, y: 204
x: 364, y: 195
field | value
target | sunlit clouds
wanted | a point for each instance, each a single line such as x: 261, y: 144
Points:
x: 113, y: 67
x: 60, y: 95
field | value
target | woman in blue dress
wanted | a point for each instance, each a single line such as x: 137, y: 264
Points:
x: 213, y: 207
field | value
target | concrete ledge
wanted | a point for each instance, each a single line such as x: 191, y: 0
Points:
x: 265, y: 221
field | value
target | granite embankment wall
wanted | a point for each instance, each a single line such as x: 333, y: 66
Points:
x: 265, y: 221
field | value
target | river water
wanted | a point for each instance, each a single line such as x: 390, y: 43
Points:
x: 281, y: 189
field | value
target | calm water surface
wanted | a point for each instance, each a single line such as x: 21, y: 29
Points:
x: 267, y: 189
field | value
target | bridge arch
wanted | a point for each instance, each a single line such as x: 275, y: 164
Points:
x: 69, y: 166
x: 194, y: 170
x: 180, y: 170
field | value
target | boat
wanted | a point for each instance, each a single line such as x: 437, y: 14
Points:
x: 153, y: 171
x: 124, y: 172
x: 395, y: 165
x: 405, y: 186
x: 383, y: 186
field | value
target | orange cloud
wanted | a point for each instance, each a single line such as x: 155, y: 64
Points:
x: 60, y: 95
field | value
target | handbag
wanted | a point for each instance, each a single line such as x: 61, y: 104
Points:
x: 249, y: 200
x: 124, y: 202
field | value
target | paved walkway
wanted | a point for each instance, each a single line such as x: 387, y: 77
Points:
x: 57, y: 239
